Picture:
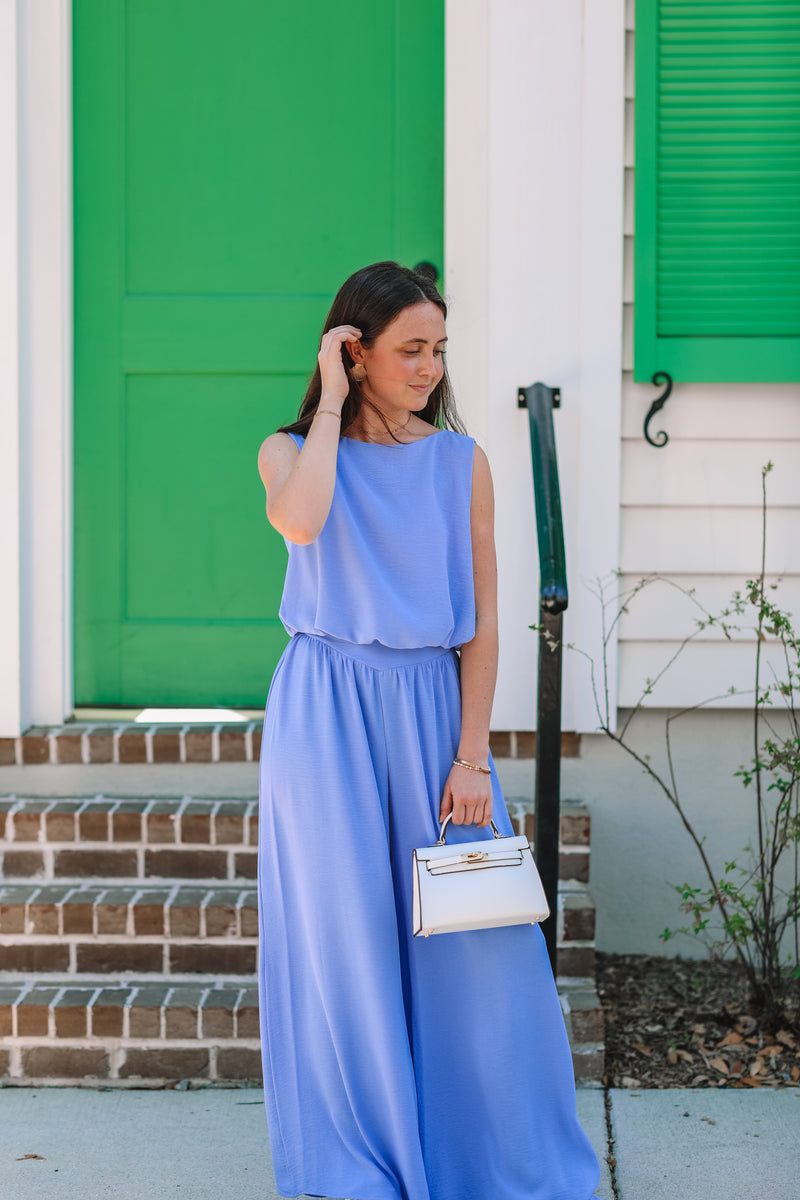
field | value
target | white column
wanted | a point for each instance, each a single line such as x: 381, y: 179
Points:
x: 595, y: 519
x: 36, y: 321
x: 10, y: 666
x: 466, y: 223
x: 534, y: 101
x: 46, y: 357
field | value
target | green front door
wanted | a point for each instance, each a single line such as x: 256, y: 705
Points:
x: 233, y: 164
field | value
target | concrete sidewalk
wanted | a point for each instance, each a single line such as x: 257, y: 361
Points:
x: 212, y: 1145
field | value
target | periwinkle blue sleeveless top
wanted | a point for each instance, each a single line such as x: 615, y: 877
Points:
x: 393, y: 563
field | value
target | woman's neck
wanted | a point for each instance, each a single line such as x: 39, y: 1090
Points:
x: 376, y: 424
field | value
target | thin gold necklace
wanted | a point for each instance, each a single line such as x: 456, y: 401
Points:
x: 392, y: 432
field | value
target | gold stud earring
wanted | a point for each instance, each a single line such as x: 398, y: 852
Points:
x: 358, y: 372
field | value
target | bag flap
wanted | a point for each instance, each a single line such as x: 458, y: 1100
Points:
x: 456, y: 850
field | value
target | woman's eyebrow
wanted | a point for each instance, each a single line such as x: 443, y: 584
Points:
x: 422, y: 341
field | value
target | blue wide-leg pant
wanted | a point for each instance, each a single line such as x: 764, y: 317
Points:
x: 395, y: 1067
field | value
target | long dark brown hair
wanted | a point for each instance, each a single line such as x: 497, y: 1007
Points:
x: 370, y: 300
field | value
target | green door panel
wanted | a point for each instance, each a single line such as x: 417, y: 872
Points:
x: 214, y: 420
x: 233, y: 163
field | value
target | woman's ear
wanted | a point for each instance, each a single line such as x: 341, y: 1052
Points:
x: 355, y: 350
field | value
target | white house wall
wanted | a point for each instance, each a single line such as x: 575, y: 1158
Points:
x: 534, y: 130
x: 539, y: 123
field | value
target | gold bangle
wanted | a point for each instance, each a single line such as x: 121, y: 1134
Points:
x: 462, y: 762
x: 330, y: 413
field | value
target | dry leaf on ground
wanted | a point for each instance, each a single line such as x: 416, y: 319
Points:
x: 667, y: 1018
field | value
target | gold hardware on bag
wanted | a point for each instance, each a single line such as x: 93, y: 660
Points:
x: 475, y: 856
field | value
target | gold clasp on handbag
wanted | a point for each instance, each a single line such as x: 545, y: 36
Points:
x: 475, y: 856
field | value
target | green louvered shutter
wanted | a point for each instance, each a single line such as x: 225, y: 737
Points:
x: 717, y: 203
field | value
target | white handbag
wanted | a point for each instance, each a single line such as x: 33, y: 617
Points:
x: 476, y: 885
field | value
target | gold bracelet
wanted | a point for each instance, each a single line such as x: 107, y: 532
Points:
x: 462, y: 762
x: 330, y: 413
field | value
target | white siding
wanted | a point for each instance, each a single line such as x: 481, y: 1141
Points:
x: 663, y: 612
x: 692, y: 510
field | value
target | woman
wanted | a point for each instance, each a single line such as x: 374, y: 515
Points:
x: 395, y: 1068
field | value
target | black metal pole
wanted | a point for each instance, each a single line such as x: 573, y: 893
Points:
x: 540, y: 400
x: 547, y: 788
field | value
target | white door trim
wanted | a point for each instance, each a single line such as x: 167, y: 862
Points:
x: 10, y: 666
x: 37, y: 318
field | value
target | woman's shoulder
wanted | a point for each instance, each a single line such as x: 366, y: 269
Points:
x: 276, y: 452
x: 452, y: 438
x: 458, y: 446
x: 279, y: 444
x: 465, y: 454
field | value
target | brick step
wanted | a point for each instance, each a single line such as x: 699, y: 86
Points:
x: 103, y: 742
x: 177, y: 910
x: 183, y: 838
x: 151, y: 821
x: 225, y: 822
x: 142, y: 1033
x: 174, y: 930
x: 585, y: 1022
x: 180, y: 910
x: 178, y: 930
x: 129, y: 839
x: 575, y: 938
x: 137, y: 1032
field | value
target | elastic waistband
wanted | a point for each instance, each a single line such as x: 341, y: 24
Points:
x: 377, y: 655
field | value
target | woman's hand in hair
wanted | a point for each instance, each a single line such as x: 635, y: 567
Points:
x: 300, y: 484
x: 335, y: 384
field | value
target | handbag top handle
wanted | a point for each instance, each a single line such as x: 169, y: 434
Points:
x: 449, y: 817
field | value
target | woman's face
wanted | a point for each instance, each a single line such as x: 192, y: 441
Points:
x: 404, y: 364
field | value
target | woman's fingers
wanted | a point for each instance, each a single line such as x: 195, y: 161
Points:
x: 464, y: 812
x: 342, y: 333
x: 470, y: 803
x: 484, y: 815
x: 334, y: 377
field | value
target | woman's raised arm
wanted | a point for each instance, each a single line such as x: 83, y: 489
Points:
x: 299, y: 483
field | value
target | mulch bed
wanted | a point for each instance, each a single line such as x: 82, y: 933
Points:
x: 685, y: 1023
